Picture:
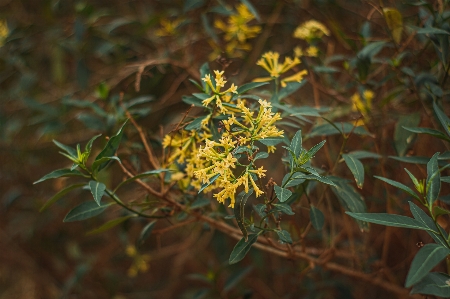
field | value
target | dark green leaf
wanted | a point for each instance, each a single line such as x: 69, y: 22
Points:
x: 433, y: 284
x: 296, y: 143
x: 239, y: 211
x: 284, y: 208
x: 271, y: 141
x: 192, y: 4
x: 328, y: 129
x: 317, y: 218
x: 444, y: 120
x: 371, y: 49
x: 59, y: 173
x: 357, y: 169
x: 389, y: 220
x: 204, y: 70
x: 242, y: 248
x: 97, y: 190
x: 235, y: 278
x: 110, y: 148
x: 433, y: 179
x: 260, y: 155
x: 413, y: 160
x: 363, y: 155
x: 290, y: 88
x: 284, y: 236
x: 196, y: 124
x: 211, y: 180
x: 60, y: 194
x: 426, y: 220
x: 248, y: 86
x: 398, y: 185
x: 192, y: 101
x: 141, y: 175
x: 430, y: 30
x: 97, y: 163
x: 88, y: 146
x: 145, y: 233
x: 427, y: 131
x: 403, y: 138
x: 85, y: 210
x: 351, y: 200
x: 426, y: 259
x: 282, y: 193
x: 108, y: 225
x: 200, y: 202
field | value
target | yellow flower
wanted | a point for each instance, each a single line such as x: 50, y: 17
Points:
x: 364, y: 104
x: 312, y: 51
x: 310, y: 30
x: 236, y: 27
x: 298, y: 77
x: 269, y: 62
x: 216, y: 90
x: 298, y: 52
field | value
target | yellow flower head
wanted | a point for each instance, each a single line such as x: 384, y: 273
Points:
x: 218, y: 95
x: 236, y: 27
x: 364, y: 104
x: 312, y: 51
x: 310, y: 30
x: 168, y: 27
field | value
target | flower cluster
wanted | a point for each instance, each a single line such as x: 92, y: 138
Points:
x: 168, y: 27
x: 364, y: 104
x: 270, y: 63
x: 217, y: 94
x: 140, y: 261
x: 4, y: 31
x: 237, y: 30
x: 311, y: 30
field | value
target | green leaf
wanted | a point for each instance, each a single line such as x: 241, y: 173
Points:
x: 141, y: 175
x: 88, y: 146
x: 242, y: 248
x: 426, y: 220
x: 96, y: 165
x: 246, y: 87
x: 426, y: 259
x: 271, y: 141
x: 328, y: 129
x: 235, y: 278
x: 97, y: 190
x: 110, y: 148
x: 196, y: 124
x: 444, y: 120
x: 413, y: 179
x: 363, y: 155
x: 260, y: 155
x: 403, y: 138
x: 430, y: 30
x: 290, y: 88
x: 428, y: 131
x: 282, y: 193
x: 438, y: 211
x: 320, y: 178
x: 317, y: 218
x: 357, y: 169
x: 200, y: 202
x: 351, y: 200
x: 239, y: 211
x: 108, y: 225
x: 398, y: 185
x: 69, y: 150
x: 59, y: 173
x: 413, y: 160
x: 433, y: 284
x: 433, y: 179
x: 371, y: 50
x: 85, y: 210
x: 60, y: 194
x: 145, y: 233
x: 204, y: 70
x: 211, y: 180
x: 296, y: 143
x: 190, y: 100
x: 389, y: 220
x: 284, y: 236
x: 315, y: 149
x: 284, y: 208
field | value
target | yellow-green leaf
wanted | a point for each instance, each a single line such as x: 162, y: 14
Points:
x: 394, y: 20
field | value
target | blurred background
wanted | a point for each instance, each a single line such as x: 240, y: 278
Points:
x: 65, y: 64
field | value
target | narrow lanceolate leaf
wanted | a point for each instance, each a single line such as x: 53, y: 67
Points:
x: 108, y: 225
x: 110, y: 148
x: 211, y: 180
x: 97, y: 190
x: 69, y: 150
x: 394, y: 20
x: 389, y: 220
x: 246, y: 87
x: 398, y: 185
x: 284, y: 208
x: 443, y: 119
x: 433, y: 284
x: 239, y: 211
x: 59, y: 173
x: 351, y: 200
x: 282, y: 193
x: 316, y: 148
x: 428, y: 131
x: 88, y: 146
x: 426, y: 220
x: 85, y: 210
x: 296, y: 143
x: 242, y: 248
x: 426, y: 259
x: 97, y: 165
x: 317, y: 218
x: 260, y: 155
x: 140, y: 176
x: 145, y: 233
x: 60, y: 194
x: 433, y: 179
x: 357, y: 169
x: 284, y: 236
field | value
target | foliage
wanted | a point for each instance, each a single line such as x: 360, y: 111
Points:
x: 253, y: 137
